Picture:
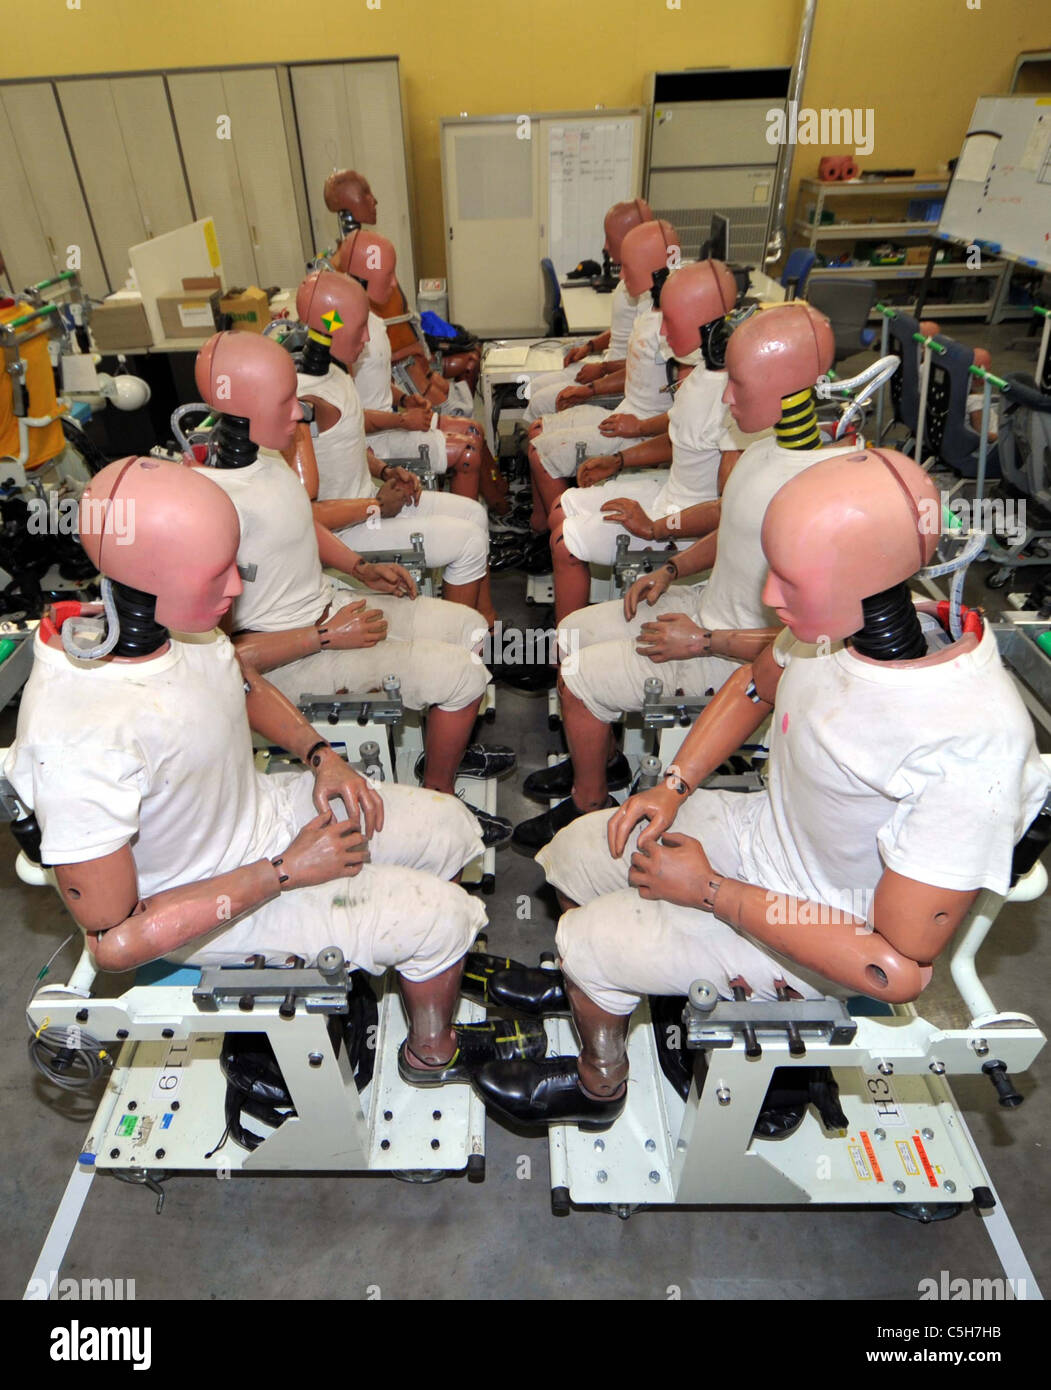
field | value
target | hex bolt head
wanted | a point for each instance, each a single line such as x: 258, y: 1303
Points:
x: 160, y: 1153
x: 315, y: 1059
x: 650, y: 1146
x: 175, y: 1105
x: 949, y: 1185
x: 880, y: 1133
x: 384, y: 1144
x: 114, y: 1153
x: 388, y: 1114
x: 436, y: 1143
x: 133, y: 1105
x: 436, y: 1114
x: 722, y: 1095
x: 654, y: 1175
x: 167, y: 1032
x: 899, y: 1186
x: 602, y: 1175
x: 885, y: 1068
x: 980, y: 1046
x: 927, y: 1133
x: 82, y: 1015
x: 938, y: 1068
x: 600, y: 1145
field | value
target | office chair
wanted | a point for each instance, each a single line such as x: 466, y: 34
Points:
x: 554, y: 314
x: 846, y: 304
x: 798, y: 266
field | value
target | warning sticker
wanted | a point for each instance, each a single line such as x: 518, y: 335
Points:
x: 908, y: 1161
x: 861, y: 1168
x: 871, y: 1152
x: 127, y: 1124
x: 918, y: 1142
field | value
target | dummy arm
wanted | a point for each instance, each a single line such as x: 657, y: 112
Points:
x: 385, y: 578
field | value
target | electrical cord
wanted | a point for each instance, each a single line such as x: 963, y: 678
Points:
x: 55, y: 1052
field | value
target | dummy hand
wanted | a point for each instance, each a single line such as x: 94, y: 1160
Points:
x: 334, y: 778
x: 355, y: 626
x: 387, y: 579
x: 575, y: 354
x: 673, y: 870
x: 673, y: 637
x: 437, y: 389
x: 412, y: 400
x: 407, y: 480
x: 323, y: 850
x: 572, y: 395
x: 621, y: 427
x: 390, y: 498
x: 626, y: 512
x: 417, y: 417
x: 591, y: 371
x: 597, y: 470
x: 659, y: 805
x: 649, y: 587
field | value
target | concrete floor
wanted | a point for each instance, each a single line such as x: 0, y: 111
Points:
x: 310, y: 1237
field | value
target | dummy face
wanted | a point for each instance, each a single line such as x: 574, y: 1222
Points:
x: 801, y: 584
x: 677, y: 325
x: 363, y: 203
x: 275, y: 411
x: 206, y: 594
x: 753, y: 406
x: 646, y: 248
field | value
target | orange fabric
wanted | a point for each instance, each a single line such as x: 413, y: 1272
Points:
x: 44, y: 444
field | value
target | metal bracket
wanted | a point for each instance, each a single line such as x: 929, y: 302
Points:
x: 341, y: 709
x: 660, y: 712
x: 722, y: 1022
x: 414, y: 560
x: 421, y: 466
x: 630, y: 564
x: 322, y: 988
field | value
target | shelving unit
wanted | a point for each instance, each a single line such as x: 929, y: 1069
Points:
x: 809, y: 231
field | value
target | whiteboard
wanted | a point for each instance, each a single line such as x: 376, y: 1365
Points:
x: 1000, y: 195
x: 590, y: 165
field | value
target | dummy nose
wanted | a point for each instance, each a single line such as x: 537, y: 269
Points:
x: 728, y: 394
x: 772, y: 595
x: 233, y: 588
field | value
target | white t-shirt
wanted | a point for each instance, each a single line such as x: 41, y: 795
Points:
x: 372, y: 369
x: 342, y: 461
x: 622, y: 312
x: 158, y: 753
x: 698, y: 426
x: 277, y: 536
x: 931, y: 771
x: 646, y: 374
x: 731, y: 598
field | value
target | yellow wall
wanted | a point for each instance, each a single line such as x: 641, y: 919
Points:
x: 919, y: 64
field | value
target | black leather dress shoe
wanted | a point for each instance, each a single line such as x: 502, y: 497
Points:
x: 544, y: 1093
x: 558, y: 780
x: 534, y: 834
x: 524, y: 989
x: 502, y: 1041
x: 528, y: 677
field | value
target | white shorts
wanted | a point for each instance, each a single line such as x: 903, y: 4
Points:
x: 440, y: 668
x: 406, y: 444
x: 544, y: 387
x: 398, y: 911
x: 460, y: 401
x: 586, y: 531
x: 455, y: 534
x: 618, y: 946
x: 556, y: 444
x: 608, y: 675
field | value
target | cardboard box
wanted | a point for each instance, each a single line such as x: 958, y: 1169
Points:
x: 120, y: 322
x: 188, y: 313
x: 248, y: 309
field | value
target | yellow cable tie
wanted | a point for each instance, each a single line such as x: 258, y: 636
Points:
x: 45, y: 1023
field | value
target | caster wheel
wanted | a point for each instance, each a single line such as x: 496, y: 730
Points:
x: 490, y: 716
x: 476, y: 1168
x: 422, y: 1176
x: 530, y: 600
x: 488, y: 883
x: 547, y: 958
x: 560, y: 1203
x: 925, y: 1213
x: 624, y: 1210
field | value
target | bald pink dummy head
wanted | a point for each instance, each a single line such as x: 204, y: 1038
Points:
x: 842, y: 530
x: 774, y: 354
x: 694, y: 296
x: 369, y: 257
x: 348, y: 191
x: 334, y: 307
x: 249, y: 375
x: 649, y: 247
x: 621, y: 219
x: 982, y: 359
x: 168, y: 530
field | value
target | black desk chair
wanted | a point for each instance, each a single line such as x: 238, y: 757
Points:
x: 846, y: 304
x: 554, y: 314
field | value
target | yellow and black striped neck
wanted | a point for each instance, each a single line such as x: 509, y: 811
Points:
x: 797, y: 427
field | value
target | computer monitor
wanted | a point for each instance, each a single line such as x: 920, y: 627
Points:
x: 718, y: 245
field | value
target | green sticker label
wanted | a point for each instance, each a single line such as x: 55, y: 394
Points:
x: 127, y: 1124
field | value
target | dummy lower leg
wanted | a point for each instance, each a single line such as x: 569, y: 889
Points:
x: 572, y: 576
x: 429, y: 1005
x: 467, y: 594
x: 484, y: 603
x: 447, y: 734
x: 590, y: 747
x: 603, y: 1060
x: 546, y: 490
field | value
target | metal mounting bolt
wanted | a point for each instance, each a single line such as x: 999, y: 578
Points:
x: 899, y: 1186
x: 980, y: 1046
x: 722, y: 1095
x: 927, y: 1133
x: 880, y: 1133
x: 949, y: 1185
x: 133, y: 1105
x: 938, y: 1068
x: 650, y: 1146
x: 388, y: 1114
x: 602, y: 1175
x: 114, y: 1153
x: 600, y: 1145
x: 315, y: 1059
x: 654, y: 1175
x: 160, y: 1153
x: 885, y: 1068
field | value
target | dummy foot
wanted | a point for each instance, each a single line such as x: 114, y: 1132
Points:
x: 558, y: 780
x: 526, y: 989
x: 502, y: 1042
x: 548, y: 1092
x: 534, y: 834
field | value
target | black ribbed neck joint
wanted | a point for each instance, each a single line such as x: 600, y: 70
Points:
x: 140, y: 632
x: 233, y: 448
x: 892, y: 630
x: 659, y: 277
x: 315, y: 358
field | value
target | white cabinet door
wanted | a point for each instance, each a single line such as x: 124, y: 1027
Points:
x: 245, y: 182
x: 124, y: 142
x: 349, y: 117
x: 36, y: 134
x: 22, y: 244
x: 490, y: 182
x: 204, y: 121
